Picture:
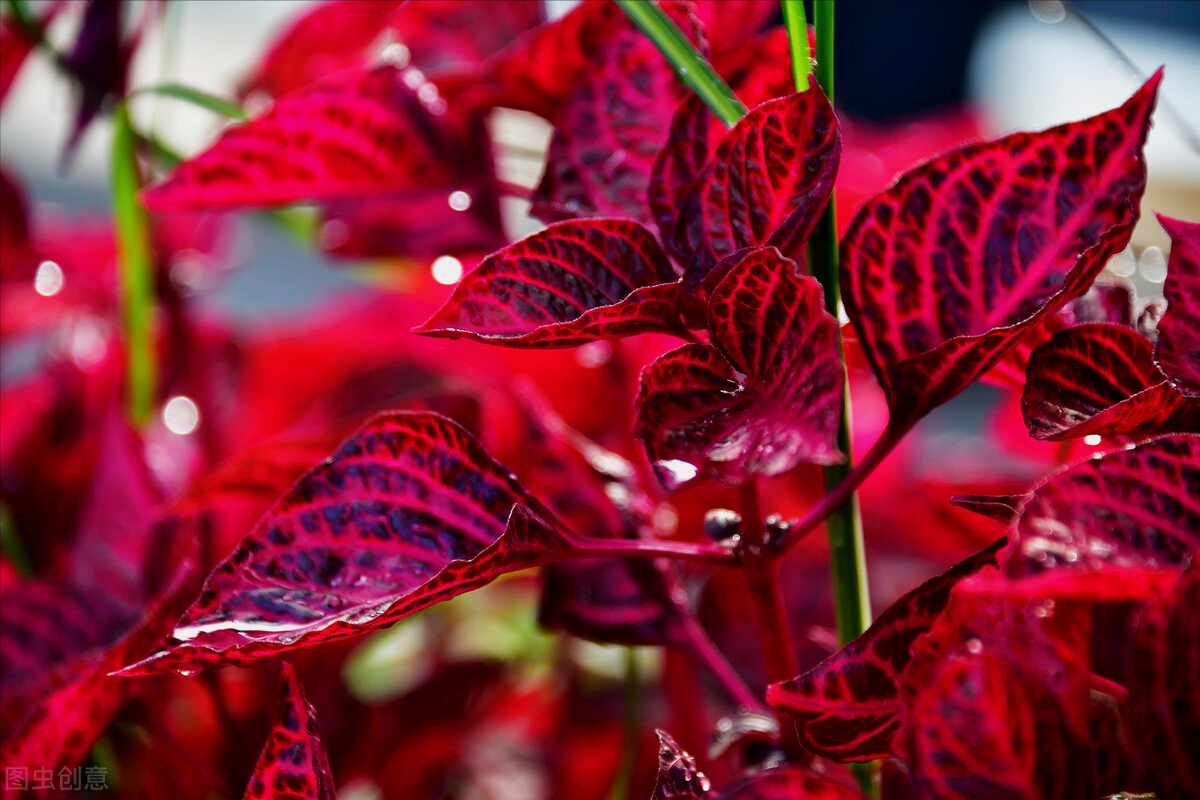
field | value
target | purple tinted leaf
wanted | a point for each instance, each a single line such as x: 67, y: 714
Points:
x: 1000, y: 507
x: 984, y: 730
x: 1178, y: 349
x: 360, y: 132
x: 767, y: 183
x: 570, y: 283
x: 678, y: 776
x: 679, y: 162
x: 1133, y: 510
x: 100, y: 60
x: 848, y: 707
x: 1164, y: 690
x: 1099, y: 378
x: 293, y: 762
x: 944, y: 272
x: 409, y: 511
x: 696, y: 415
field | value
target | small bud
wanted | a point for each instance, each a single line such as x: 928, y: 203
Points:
x: 721, y: 523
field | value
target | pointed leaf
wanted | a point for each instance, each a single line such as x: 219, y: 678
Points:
x: 1101, y: 379
x: 1177, y: 352
x: 567, y: 284
x: 679, y: 162
x: 1133, y: 509
x: 293, y: 762
x: 696, y: 415
x: 1000, y: 507
x: 678, y: 776
x: 983, y: 730
x: 767, y: 183
x: 409, y: 511
x: 357, y: 132
x: 945, y: 271
x: 1164, y: 690
x: 848, y: 707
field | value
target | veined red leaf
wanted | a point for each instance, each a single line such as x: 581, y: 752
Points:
x: 848, y: 707
x: 1133, y: 510
x: 731, y: 23
x: 409, y: 511
x: 678, y: 776
x: 1000, y: 507
x: 567, y: 284
x: 679, y: 162
x: 767, y: 183
x: 984, y: 730
x: 293, y: 762
x: 1177, y: 352
x: 946, y: 270
x: 1164, y: 690
x: 696, y: 415
x: 359, y: 132
x: 1099, y: 378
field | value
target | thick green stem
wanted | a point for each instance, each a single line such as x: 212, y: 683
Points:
x: 136, y: 268
x: 797, y: 31
x: 691, y: 67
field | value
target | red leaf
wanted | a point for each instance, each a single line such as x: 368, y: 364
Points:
x: 1178, y: 350
x: 767, y: 183
x: 984, y: 730
x: 678, y: 776
x: 945, y: 271
x: 567, y: 284
x: 789, y: 782
x: 679, y: 161
x: 360, y: 132
x: 1099, y: 378
x: 1132, y: 511
x: 1164, y: 690
x: 1002, y: 508
x: 409, y: 511
x: 695, y: 414
x: 293, y: 762
x: 848, y: 707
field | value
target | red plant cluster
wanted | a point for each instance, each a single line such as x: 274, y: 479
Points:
x: 362, y: 467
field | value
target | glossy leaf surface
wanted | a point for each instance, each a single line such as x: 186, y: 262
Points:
x: 1178, y: 349
x: 358, y: 132
x: 293, y: 762
x: 848, y: 707
x: 1101, y: 379
x: 1164, y: 690
x: 567, y: 284
x: 945, y: 271
x: 767, y: 183
x: 409, y: 511
x: 696, y: 414
x: 678, y: 776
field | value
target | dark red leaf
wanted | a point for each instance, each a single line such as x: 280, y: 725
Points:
x: 567, y: 284
x: 730, y: 24
x: 1178, y: 349
x: 1164, y: 690
x: 17, y: 258
x: 1099, y: 378
x: 944, y: 272
x: 679, y: 162
x: 1132, y: 512
x: 409, y: 511
x: 1002, y: 507
x: 100, y: 60
x: 360, y: 132
x: 678, y: 776
x: 786, y: 783
x: 984, y: 730
x: 848, y: 707
x: 293, y: 763
x: 696, y: 415
x: 767, y: 183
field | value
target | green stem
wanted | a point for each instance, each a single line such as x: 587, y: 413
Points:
x: 622, y: 783
x: 136, y: 267
x: 797, y: 31
x: 689, y: 65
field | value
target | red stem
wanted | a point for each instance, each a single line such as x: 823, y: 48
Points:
x: 762, y: 578
x: 707, y: 651
x: 655, y: 548
x: 515, y: 190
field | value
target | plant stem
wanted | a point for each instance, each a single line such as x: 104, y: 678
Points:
x: 137, y: 270
x: 621, y: 787
x: 797, y: 31
x: 707, y: 651
x: 762, y: 577
x: 654, y: 548
x: 691, y: 67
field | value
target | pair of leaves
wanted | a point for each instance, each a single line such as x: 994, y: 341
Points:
x: 945, y: 272
x: 764, y: 397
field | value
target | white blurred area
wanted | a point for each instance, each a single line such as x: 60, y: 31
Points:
x: 1037, y: 64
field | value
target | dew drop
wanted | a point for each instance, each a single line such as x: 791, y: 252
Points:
x: 181, y: 415
x: 459, y: 200
x: 447, y: 270
x: 1092, y: 440
x: 679, y: 470
x: 189, y: 673
x: 49, y: 279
